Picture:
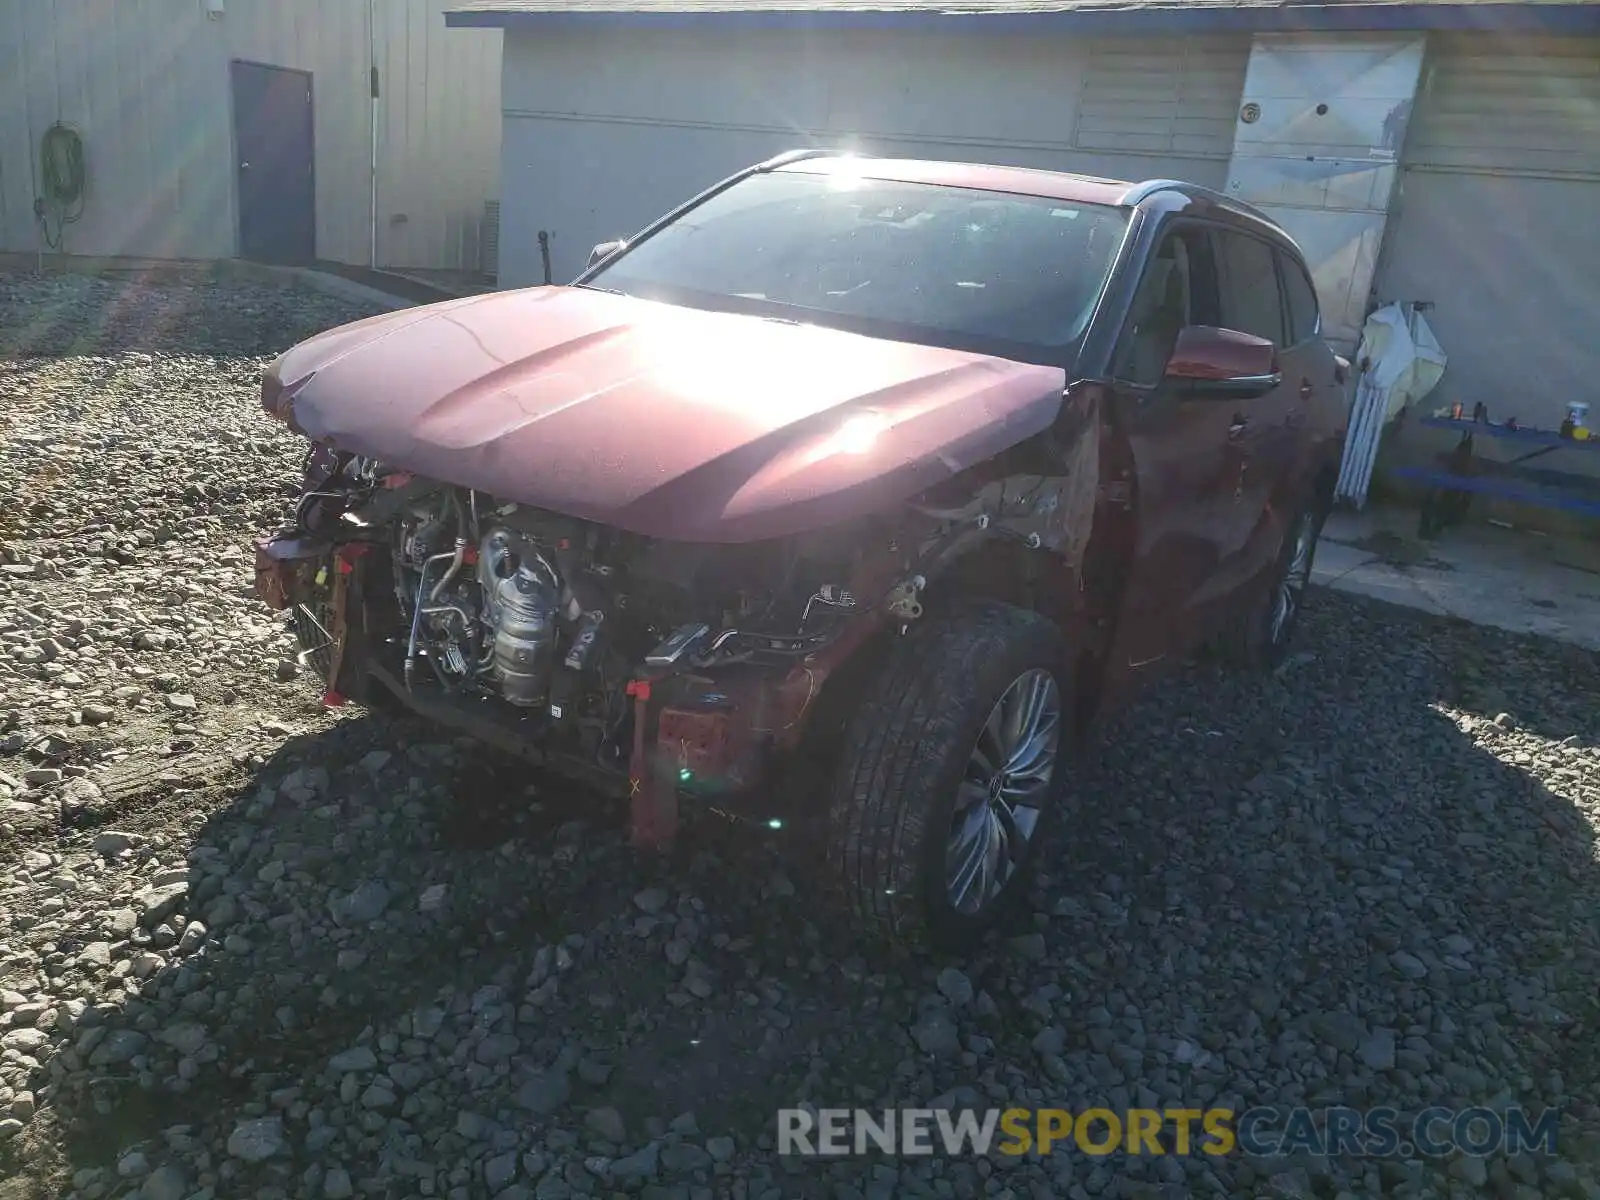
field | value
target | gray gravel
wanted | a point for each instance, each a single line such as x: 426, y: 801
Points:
x: 250, y: 948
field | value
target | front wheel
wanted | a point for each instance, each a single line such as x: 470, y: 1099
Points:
x: 951, y: 773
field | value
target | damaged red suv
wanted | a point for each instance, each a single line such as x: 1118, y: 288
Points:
x: 848, y: 495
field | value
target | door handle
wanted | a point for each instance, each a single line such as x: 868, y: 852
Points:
x: 244, y: 166
x: 1306, y: 389
x: 1237, y: 428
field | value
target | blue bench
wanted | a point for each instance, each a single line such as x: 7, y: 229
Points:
x: 1543, y: 497
x: 1463, y: 475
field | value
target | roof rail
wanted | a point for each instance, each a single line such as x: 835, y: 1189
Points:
x: 1150, y: 187
x: 1143, y: 191
x: 790, y: 156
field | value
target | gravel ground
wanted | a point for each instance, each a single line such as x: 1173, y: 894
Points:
x: 251, y: 948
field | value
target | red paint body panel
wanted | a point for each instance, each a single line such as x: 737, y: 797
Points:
x: 1206, y: 353
x: 666, y: 421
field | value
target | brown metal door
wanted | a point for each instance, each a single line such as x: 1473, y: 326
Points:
x: 272, y: 130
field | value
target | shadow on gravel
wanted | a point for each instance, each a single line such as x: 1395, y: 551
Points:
x: 1314, y: 889
x: 306, y: 922
x: 369, y: 879
x: 182, y: 311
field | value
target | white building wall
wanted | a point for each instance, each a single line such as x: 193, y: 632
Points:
x: 146, y: 83
x: 606, y: 130
x: 1497, y: 221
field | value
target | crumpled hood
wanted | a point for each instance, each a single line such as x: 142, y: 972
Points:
x: 666, y: 421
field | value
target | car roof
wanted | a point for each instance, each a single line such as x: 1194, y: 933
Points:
x: 1022, y: 181
x: 1161, y: 194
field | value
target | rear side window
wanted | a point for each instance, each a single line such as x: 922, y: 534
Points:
x: 1250, y: 299
x: 1304, y: 322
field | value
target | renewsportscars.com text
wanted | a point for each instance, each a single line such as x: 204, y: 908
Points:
x: 1260, y: 1132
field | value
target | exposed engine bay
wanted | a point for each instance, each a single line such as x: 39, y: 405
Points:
x: 640, y: 666
x: 532, y: 606
x: 554, y: 618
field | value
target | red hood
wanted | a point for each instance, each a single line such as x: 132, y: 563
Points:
x: 667, y: 421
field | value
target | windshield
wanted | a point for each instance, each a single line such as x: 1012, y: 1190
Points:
x: 989, y: 271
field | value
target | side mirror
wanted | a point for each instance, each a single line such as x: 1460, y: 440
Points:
x: 1224, y: 362
x: 604, y: 250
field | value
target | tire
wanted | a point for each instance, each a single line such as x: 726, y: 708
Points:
x: 907, y: 751
x: 1259, y: 638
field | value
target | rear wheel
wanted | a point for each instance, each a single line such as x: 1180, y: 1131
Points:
x: 951, y: 773
x: 1260, y: 636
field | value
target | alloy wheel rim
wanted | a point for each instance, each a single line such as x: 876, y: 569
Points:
x: 1291, y: 588
x: 1003, y: 791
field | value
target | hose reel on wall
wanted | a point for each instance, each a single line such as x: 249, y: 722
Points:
x: 63, y: 181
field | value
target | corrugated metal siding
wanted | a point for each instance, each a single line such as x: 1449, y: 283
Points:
x: 151, y: 103
x: 439, y: 136
x: 607, y: 129
x: 146, y: 82
x: 1509, y: 105
x: 1172, y: 96
x: 884, y: 7
x: 1495, y: 220
x: 1509, y: 264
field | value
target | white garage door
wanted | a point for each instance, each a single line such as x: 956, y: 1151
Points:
x: 1497, y: 221
x: 605, y: 131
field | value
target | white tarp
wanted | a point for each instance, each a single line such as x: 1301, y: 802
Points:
x: 1406, y: 358
x: 1405, y: 362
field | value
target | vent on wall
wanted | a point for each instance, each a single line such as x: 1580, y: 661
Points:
x: 489, y: 244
